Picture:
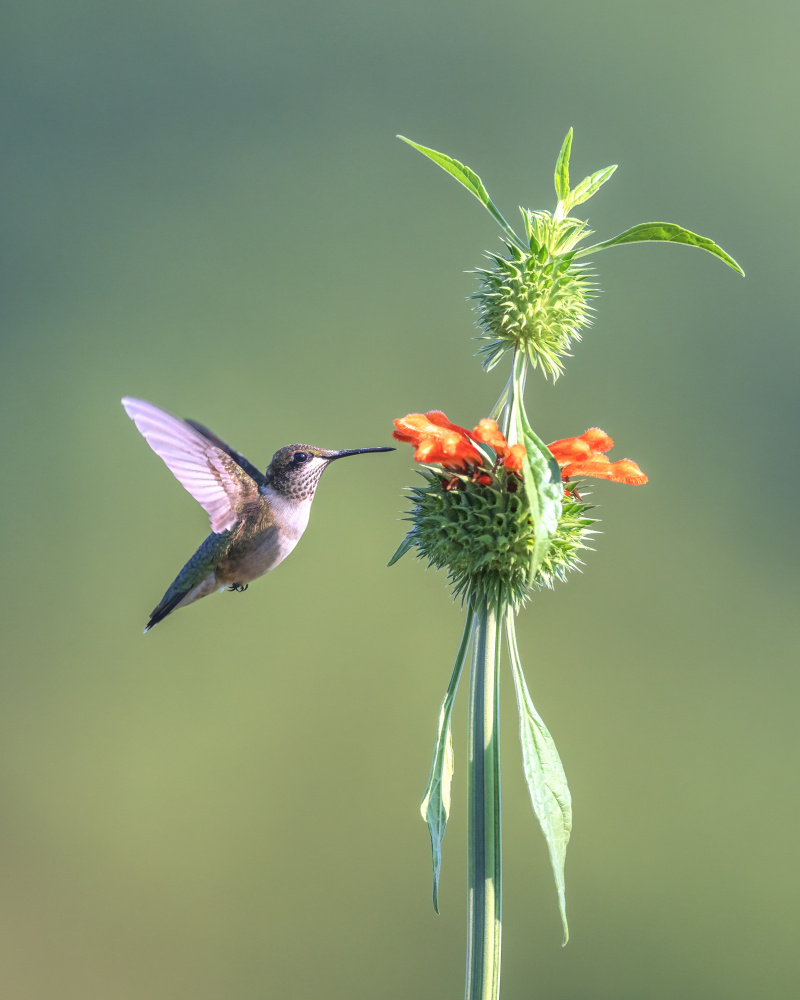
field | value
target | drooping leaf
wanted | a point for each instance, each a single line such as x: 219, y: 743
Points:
x: 543, y: 489
x: 435, y: 807
x: 464, y: 175
x: 562, y: 168
x: 664, y: 232
x: 544, y: 775
x: 588, y: 186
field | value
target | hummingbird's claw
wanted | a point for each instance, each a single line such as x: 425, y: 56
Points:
x: 239, y: 588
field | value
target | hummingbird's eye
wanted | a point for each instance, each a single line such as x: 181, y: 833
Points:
x: 299, y: 457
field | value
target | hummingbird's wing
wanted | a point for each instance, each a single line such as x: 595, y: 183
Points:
x: 218, y: 483
x: 248, y: 467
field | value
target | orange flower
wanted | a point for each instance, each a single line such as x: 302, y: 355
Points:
x: 489, y: 433
x: 584, y: 456
x: 439, y: 442
x: 514, y: 457
x: 510, y: 455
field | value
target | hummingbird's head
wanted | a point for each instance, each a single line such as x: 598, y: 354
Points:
x: 295, y: 470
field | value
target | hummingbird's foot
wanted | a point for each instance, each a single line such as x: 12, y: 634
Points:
x: 239, y: 588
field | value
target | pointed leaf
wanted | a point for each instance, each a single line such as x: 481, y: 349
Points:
x: 588, y: 186
x: 544, y: 775
x: 402, y: 548
x: 468, y: 178
x: 562, y: 168
x: 435, y: 807
x: 664, y: 232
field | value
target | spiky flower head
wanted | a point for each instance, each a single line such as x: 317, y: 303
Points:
x: 482, y: 534
x: 535, y: 299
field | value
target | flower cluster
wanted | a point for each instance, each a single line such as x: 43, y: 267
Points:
x: 482, y: 531
x: 440, y: 442
x: 585, y: 456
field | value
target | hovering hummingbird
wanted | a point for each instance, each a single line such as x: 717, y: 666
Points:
x: 256, y: 519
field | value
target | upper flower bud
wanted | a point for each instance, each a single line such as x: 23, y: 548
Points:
x: 536, y: 300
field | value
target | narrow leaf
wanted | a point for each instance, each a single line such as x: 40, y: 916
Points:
x: 543, y: 489
x: 435, y: 807
x: 562, y: 168
x: 501, y: 402
x: 468, y: 178
x: 588, y: 186
x: 544, y: 774
x: 402, y: 548
x: 664, y: 232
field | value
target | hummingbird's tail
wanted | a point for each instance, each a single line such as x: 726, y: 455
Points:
x: 187, y: 588
x: 169, y: 602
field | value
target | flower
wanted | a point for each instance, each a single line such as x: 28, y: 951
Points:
x: 514, y: 457
x: 584, y: 456
x: 440, y: 442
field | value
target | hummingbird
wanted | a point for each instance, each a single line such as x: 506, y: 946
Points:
x: 256, y: 518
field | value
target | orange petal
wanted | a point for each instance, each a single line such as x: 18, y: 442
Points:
x: 515, y: 457
x: 411, y: 428
x: 627, y: 471
x: 573, y: 449
x: 623, y: 471
x: 437, y: 440
x: 440, y: 420
x: 489, y: 433
x: 597, y: 440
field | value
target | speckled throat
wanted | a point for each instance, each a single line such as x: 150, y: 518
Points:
x: 298, y: 481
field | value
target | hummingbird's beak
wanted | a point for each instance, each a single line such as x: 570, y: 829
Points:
x: 355, y: 451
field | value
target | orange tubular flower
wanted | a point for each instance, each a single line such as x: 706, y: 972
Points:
x: 440, y: 442
x: 584, y: 456
x: 437, y: 441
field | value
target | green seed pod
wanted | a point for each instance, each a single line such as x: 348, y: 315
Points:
x: 483, y: 535
x: 536, y: 300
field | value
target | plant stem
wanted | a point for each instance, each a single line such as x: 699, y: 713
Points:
x: 484, y: 909
x: 512, y: 398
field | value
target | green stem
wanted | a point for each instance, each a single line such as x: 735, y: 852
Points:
x: 501, y: 402
x: 484, y: 910
x: 512, y: 398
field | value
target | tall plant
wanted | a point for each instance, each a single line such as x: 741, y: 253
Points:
x: 504, y: 514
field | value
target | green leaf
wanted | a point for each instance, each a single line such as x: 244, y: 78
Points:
x: 543, y: 489
x: 588, y: 186
x: 562, y: 169
x: 435, y: 806
x: 469, y: 179
x: 664, y: 232
x: 544, y: 774
x: 402, y: 548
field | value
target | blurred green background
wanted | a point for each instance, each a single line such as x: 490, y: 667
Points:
x: 205, y: 205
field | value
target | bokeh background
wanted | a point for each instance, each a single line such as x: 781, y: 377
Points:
x: 205, y: 205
